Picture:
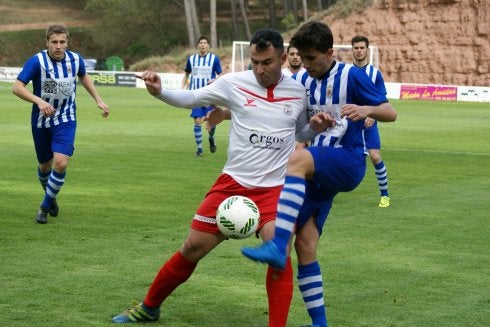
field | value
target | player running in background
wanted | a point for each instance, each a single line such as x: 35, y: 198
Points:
x: 54, y: 73
x: 201, y: 68
x: 266, y: 110
x: 334, y: 163
x: 294, y: 61
x: 360, y: 46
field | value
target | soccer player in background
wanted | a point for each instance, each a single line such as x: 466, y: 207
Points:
x: 335, y: 162
x: 360, y: 46
x: 266, y: 110
x: 201, y: 68
x: 294, y: 61
x: 54, y: 73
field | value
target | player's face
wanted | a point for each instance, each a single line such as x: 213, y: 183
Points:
x: 203, y: 47
x: 359, y: 51
x: 315, y: 62
x: 57, y: 44
x: 266, y: 65
x: 294, y: 59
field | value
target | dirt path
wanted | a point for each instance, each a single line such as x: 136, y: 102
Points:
x: 41, y: 26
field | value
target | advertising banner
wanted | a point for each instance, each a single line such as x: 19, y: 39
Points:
x: 428, y: 92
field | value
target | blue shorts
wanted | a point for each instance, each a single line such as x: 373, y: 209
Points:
x: 336, y: 170
x: 60, y: 138
x: 371, y: 137
x: 200, y: 111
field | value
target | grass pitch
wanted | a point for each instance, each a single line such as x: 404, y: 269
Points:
x: 132, y: 187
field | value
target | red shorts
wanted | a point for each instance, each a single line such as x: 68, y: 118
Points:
x: 264, y: 197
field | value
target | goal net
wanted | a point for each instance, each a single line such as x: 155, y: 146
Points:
x: 240, y: 57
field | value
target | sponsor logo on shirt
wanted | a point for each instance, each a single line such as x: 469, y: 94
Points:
x: 250, y: 103
x: 264, y: 141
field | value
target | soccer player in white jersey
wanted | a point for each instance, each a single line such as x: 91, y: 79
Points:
x: 294, y: 61
x: 54, y: 73
x: 201, y: 68
x: 266, y: 110
x: 360, y: 46
x: 335, y: 162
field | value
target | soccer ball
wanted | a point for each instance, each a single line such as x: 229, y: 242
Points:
x: 237, y: 217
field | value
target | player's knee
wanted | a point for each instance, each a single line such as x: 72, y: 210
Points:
x: 375, y: 156
x: 305, y: 249
x: 300, y: 163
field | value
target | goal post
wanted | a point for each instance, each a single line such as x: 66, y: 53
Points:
x: 240, y: 56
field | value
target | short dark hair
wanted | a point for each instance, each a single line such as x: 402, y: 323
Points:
x: 360, y: 38
x: 203, y: 37
x: 289, y: 47
x: 313, y: 35
x: 266, y: 37
x: 56, y: 29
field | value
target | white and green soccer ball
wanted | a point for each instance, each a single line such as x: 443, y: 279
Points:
x: 237, y: 217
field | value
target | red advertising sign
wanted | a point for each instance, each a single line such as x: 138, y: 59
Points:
x: 428, y: 92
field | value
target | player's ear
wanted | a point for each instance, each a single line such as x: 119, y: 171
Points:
x: 284, y: 57
x: 329, y: 52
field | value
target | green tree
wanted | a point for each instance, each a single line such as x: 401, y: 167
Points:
x: 134, y: 29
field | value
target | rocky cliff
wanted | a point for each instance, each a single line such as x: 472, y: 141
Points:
x: 425, y: 41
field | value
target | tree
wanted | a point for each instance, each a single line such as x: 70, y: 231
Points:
x: 245, y: 19
x: 212, y: 22
x: 272, y: 14
x: 234, y: 29
x: 305, y: 10
x: 195, y: 22
x: 190, y: 26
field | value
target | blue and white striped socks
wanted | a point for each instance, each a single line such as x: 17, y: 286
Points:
x: 382, y: 177
x: 53, y: 186
x: 311, y: 287
x: 290, y: 202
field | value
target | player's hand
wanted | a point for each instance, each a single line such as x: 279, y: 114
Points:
x: 321, y: 121
x: 214, y: 117
x: 369, y: 122
x: 104, y: 107
x: 354, y: 112
x: 152, y: 81
x: 46, y: 109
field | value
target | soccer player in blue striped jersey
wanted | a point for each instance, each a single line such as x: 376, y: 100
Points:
x: 360, y: 46
x: 342, y: 95
x: 53, y: 73
x: 201, y: 68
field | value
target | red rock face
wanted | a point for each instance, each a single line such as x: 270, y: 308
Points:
x: 425, y: 41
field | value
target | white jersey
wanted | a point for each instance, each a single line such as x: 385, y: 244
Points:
x: 289, y: 73
x: 263, y: 123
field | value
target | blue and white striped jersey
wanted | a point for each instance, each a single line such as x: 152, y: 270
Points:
x: 54, y: 82
x: 375, y: 76
x: 342, y: 84
x: 202, y: 69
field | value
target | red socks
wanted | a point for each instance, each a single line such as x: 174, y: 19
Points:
x: 173, y: 273
x: 279, y: 286
x: 178, y: 269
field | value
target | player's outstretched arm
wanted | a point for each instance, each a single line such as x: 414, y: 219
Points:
x: 152, y: 81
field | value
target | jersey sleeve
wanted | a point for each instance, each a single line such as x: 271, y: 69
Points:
x: 81, y: 69
x: 380, y: 82
x: 217, y: 66
x: 212, y: 94
x: 30, y: 70
x: 188, y: 68
x: 362, y: 90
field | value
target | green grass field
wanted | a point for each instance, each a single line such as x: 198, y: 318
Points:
x: 134, y: 183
